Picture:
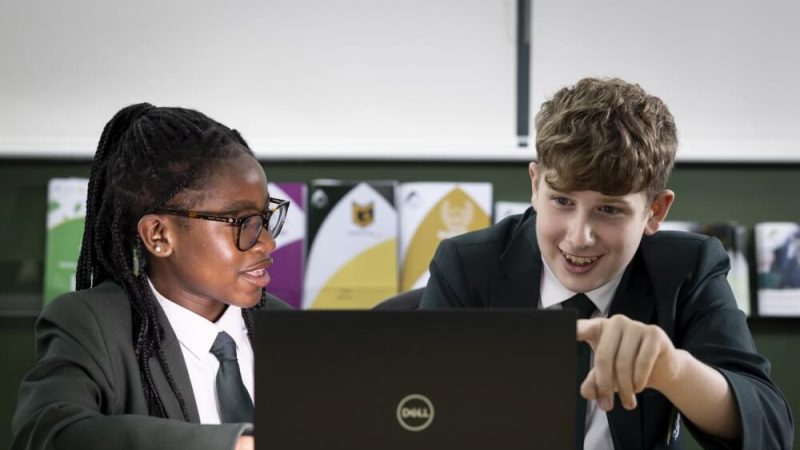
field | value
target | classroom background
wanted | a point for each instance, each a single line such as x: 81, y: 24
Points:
x: 437, y: 90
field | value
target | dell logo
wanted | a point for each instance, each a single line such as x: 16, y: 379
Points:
x: 415, y: 412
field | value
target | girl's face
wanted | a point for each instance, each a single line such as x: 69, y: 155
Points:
x: 199, y: 265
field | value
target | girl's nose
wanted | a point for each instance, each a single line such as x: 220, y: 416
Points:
x: 265, y: 242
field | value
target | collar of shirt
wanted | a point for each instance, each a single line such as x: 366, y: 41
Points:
x: 552, y: 292
x: 195, y: 332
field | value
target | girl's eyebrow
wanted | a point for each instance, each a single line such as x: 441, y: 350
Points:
x: 239, y: 206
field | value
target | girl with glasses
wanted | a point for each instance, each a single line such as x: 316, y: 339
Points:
x: 154, y: 349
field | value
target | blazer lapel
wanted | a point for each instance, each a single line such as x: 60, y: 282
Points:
x: 634, y: 298
x: 519, y: 286
x: 521, y: 267
x: 180, y: 375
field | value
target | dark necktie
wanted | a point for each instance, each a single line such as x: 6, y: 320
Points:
x: 235, y: 404
x: 584, y: 308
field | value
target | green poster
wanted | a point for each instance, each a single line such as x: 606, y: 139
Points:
x: 66, y: 209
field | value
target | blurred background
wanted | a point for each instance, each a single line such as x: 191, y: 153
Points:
x: 434, y: 90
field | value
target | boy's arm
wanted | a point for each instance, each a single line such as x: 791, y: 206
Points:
x: 631, y: 356
x: 717, y: 379
x: 447, y: 286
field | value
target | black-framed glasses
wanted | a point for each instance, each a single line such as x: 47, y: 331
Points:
x: 248, y: 227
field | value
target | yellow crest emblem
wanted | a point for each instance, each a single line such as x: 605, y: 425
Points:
x: 456, y: 219
x: 363, y: 215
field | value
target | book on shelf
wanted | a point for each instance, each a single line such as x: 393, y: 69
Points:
x: 503, y: 209
x: 431, y: 212
x: 778, y: 263
x: 352, y: 239
x: 732, y: 236
x: 286, y: 275
x: 66, y: 211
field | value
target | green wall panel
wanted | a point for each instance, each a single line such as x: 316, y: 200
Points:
x: 745, y: 193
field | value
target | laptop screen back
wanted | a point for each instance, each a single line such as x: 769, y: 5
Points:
x: 385, y: 380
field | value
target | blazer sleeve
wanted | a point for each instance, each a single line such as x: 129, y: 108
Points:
x: 715, y: 331
x: 65, y: 401
x: 273, y: 302
x: 447, y: 286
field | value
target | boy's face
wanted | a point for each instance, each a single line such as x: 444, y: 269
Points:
x: 588, y: 238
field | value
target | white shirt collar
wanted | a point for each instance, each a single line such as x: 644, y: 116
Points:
x: 552, y: 292
x: 195, y: 332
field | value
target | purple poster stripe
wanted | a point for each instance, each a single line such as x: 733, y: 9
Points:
x: 286, y: 274
x: 295, y: 193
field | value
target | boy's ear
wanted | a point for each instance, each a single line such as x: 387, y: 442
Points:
x: 533, y: 171
x: 156, y: 234
x: 658, y: 210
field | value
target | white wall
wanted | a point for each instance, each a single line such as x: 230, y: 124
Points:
x: 728, y: 69
x: 392, y: 79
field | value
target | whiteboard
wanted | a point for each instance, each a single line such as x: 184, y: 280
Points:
x: 384, y: 79
x: 728, y: 70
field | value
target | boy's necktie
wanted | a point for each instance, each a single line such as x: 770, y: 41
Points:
x: 235, y: 404
x: 584, y: 308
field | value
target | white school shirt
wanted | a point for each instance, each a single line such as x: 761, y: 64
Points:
x: 552, y: 293
x: 196, y: 334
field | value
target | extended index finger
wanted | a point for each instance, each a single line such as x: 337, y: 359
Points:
x: 590, y: 330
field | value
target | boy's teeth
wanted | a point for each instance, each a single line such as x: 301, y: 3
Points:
x: 580, y: 260
x: 256, y: 273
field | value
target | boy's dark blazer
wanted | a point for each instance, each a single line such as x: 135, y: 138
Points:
x: 85, y: 391
x: 676, y: 281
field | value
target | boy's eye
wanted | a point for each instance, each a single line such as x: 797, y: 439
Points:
x: 610, y: 210
x: 563, y: 201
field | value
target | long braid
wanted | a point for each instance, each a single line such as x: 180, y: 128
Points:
x: 86, y: 272
x: 247, y: 313
x: 145, y: 157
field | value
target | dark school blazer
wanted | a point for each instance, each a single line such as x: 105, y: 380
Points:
x: 676, y: 281
x: 85, y: 391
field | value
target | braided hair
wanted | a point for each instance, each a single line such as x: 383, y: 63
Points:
x: 146, y: 156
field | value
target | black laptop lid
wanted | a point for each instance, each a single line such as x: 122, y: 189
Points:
x: 386, y: 380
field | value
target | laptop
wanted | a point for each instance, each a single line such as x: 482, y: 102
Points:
x: 392, y: 380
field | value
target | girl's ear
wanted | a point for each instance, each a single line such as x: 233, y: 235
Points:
x: 156, y: 234
x: 658, y: 210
